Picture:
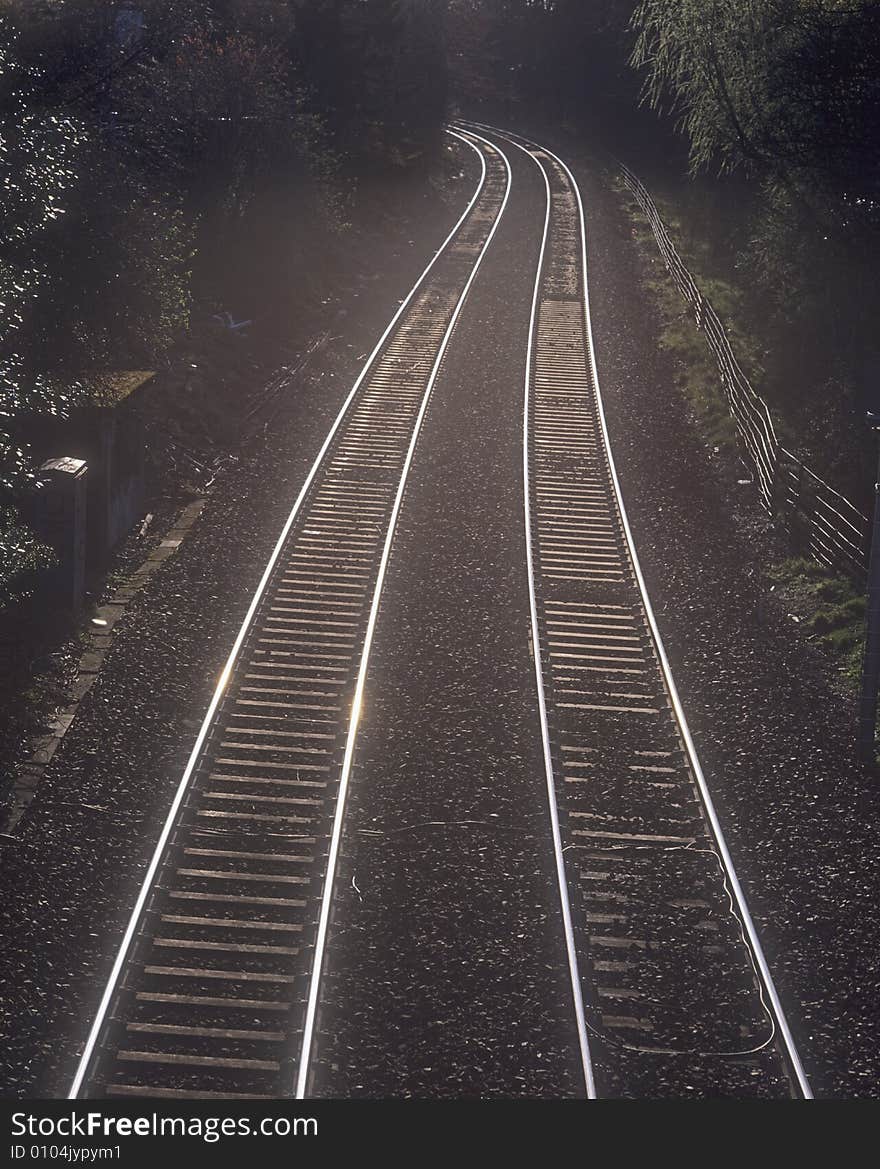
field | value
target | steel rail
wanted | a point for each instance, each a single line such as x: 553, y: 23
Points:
x: 755, y: 946
x: 357, y: 704
x: 537, y: 654
x: 147, y: 884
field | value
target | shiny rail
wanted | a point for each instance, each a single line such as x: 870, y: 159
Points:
x: 672, y: 964
x: 214, y: 990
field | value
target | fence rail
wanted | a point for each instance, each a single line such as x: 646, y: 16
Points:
x: 819, y: 519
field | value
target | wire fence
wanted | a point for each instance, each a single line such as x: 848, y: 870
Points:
x: 819, y: 519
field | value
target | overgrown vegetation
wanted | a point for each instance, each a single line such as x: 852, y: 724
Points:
x: 781, y: 98
x: 165, y: 160
x: 831, y: 607
x: 696, y: 368
x: 565, y: 57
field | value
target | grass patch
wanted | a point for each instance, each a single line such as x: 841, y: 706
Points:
x: 831, y: 607
x: 697, y: 373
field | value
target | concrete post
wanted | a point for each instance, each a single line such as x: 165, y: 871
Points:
x: 62, y: 523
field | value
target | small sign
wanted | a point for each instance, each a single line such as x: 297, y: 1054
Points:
x: 64, y: 466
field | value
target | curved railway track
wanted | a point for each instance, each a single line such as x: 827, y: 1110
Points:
x: 660, y: 939
x: 214, y: 990
x: 216, y: 987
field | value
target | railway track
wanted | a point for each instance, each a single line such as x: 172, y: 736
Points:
x: 669, y: 981
x: 214, y: 990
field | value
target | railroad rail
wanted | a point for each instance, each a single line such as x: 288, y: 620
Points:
x: 667, y: 968
x: 214, y: 990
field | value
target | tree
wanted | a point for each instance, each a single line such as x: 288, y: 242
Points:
x: 787, y: 89
x: 378, y: 70
x: 141, y: 140
x: 787, y: 92
x: 39, y: 155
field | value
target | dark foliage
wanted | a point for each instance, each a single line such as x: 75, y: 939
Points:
x: 377, y: 73
x: 787, y: 92
x: 144, y: 144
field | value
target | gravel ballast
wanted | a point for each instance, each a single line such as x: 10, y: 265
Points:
x: 446, y: 970
x: 71, y: 871
x: 775, y: 735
